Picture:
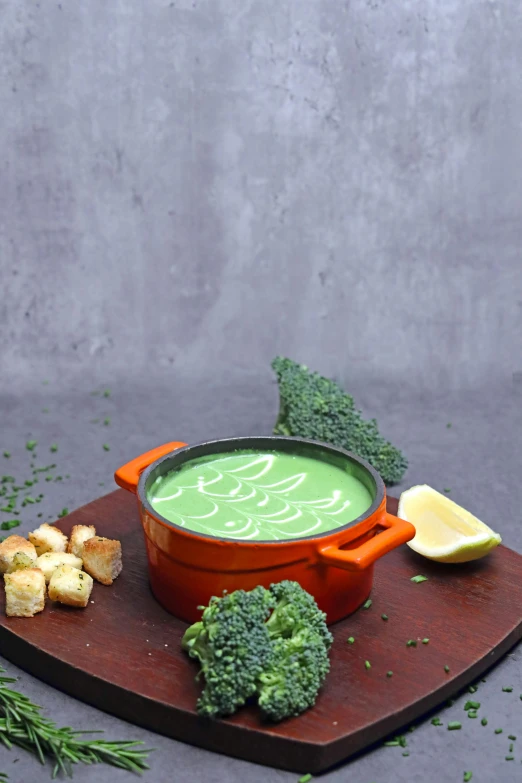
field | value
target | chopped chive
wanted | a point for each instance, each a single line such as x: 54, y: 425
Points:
x: 498, y: 731
x: 454, y: 725
x: 484, y: 721
x: 384, y: 616
x: 53, y: 447
x: 63, y: 512
x: 350, y: 640
x: 31, y: 444
x: 447, y: 491
x: 472, y: 689
x: 446, y: 668
x: 508, y: 689
x: 510, y: 758
x: 405, y: 753
x: 391, y: 744
x: 367, y: 603
x: 9, y: 524
x: 305, y: 778
x: 106, y: 447
x: 472, y: 714
x: 472, y: 705
x: 419, y: 578
x: 107, y: 421
x: 511, y: 747
x: 448, y: 425
x: 436, y: 722
x: 425, y: 641
x: 467, y: 777
x: 367, y: 665
x: 7, y: 454
x: 402, y: 741
x: 48, y: 478
x: 389, y: 674
x: 411, y: 643
x: 107, y: 393
x: 512, y: 736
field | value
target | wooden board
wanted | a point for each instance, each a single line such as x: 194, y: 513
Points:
x: 122, y: 653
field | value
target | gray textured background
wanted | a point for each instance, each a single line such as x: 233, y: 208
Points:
x: 189, y: 188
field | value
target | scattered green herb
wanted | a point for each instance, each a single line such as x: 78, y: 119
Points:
x: 7, y: 454
x: 419, y: 578
x: 510, y: 758
x: 53, y: 447
x: 472, y: 689
x: 63, y: 512
x: 512, y: 736
x: 484, y: 721
x: 411, y: 643
x: 106, y: 447
x: 31, y: 445
x: 367, y: 665
x: 389, y: 674
x: 350, y: 640
x: 22, y: 724
x: 472, y: 705
x: 508, y: 689
x: 498, y: 731
x: 425, y: 641
x: 511, y: 747
x: 107, y: 421
x: 9, y: 524
x: 472, y: 714
x: 436, y: 722
x: 107, y: 393
x: 391, y: 744
x: 384, y: 616
x: 467, y: 777
x: 454, y: 725
x: 447, y: 491
x: 448, y: 425
x: 367, y: 603
x: 305, y: 778
x: 446, y: 668
x: 405, y: 753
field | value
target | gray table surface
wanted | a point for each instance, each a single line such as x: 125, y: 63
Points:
x: 479, y: 458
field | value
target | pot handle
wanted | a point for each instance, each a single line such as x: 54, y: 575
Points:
x: 397, y: 531
x: 128, y: 476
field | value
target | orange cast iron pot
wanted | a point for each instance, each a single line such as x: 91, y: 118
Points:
x: 336, y: 567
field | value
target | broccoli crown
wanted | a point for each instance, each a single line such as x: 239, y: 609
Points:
x: 233, y: 647
x: 272, y: 644
x: 315, y: 407
x: 294, y: 610
x: 291, y: 682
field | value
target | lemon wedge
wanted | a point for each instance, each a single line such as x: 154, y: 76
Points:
x: 445, y: 531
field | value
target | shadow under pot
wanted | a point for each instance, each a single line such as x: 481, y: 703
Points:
x: 235, y: 513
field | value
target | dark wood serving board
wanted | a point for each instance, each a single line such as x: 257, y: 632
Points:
x: 122, y: 653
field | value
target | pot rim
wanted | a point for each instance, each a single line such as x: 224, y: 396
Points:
x: 265, y: 442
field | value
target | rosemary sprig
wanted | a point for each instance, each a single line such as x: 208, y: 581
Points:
x: 22, y: 724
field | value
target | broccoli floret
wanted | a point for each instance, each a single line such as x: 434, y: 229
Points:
x: 296, y: 609
x: 233, y: 647
x: 315, y: 407
x: 272, y: 644
x: 290, y: 685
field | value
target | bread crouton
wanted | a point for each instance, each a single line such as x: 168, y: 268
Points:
x: 80, y: 534
x: 12, y: 546
x: 24, y: 592
x: 70, y: 586
x: 102, y: 559
x: 48, y: 538
x: 50, y: 561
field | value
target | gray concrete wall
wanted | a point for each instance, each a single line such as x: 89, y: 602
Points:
x: 198, y: 185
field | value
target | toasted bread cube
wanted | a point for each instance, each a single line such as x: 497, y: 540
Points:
x: 10, y: 548
x: 70, y: 586
x: 48, y: 538
x: 24, y: 592
x: 50, y: 561
x: 80, y: 534
x: 21, y: 561
x: 102, y: 559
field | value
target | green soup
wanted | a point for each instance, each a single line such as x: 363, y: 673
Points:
x: 259, y: 496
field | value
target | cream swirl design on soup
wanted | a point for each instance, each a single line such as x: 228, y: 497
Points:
x: 259, y: 496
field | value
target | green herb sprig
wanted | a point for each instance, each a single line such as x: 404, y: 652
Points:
x: 22, y: 724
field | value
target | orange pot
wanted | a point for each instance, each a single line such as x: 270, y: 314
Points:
x: 187, y: 568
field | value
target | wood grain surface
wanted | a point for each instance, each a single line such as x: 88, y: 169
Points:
x: 122, y: 653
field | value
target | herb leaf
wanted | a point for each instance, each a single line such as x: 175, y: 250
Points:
x: 419, y: 578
